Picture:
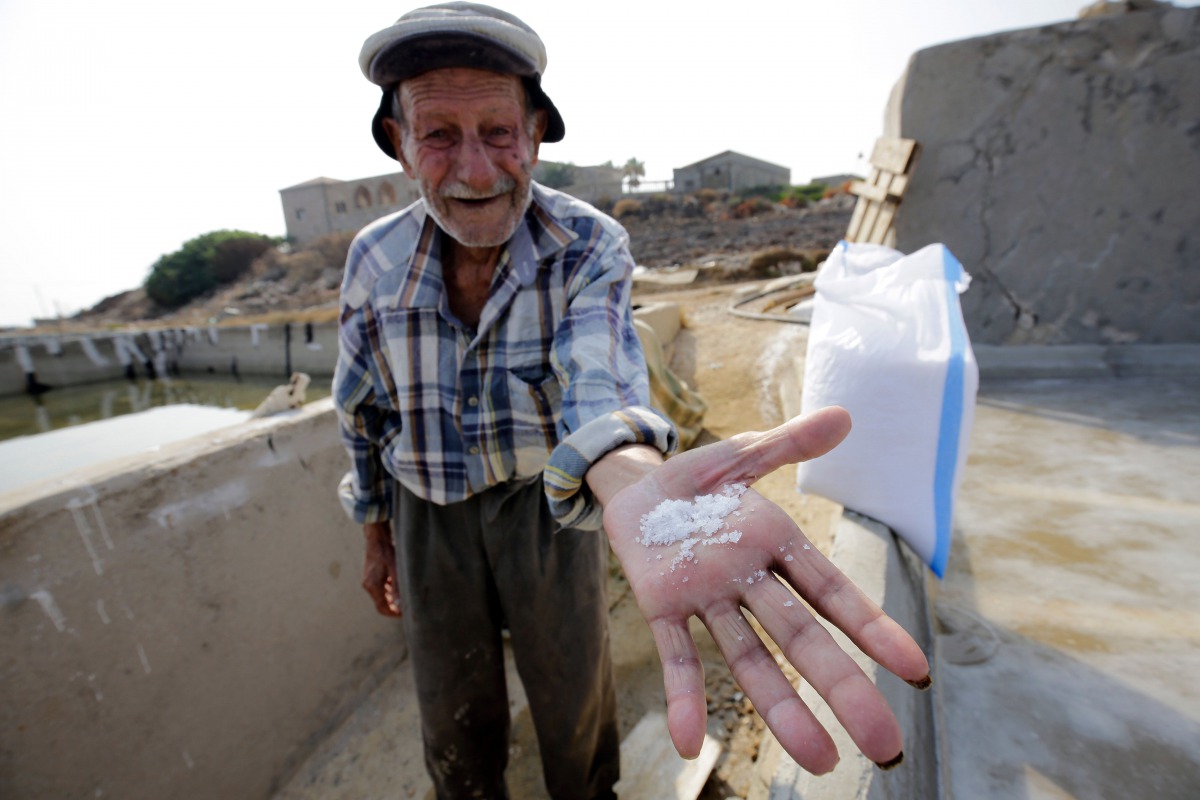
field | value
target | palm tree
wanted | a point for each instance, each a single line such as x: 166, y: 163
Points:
x: 633, y: 170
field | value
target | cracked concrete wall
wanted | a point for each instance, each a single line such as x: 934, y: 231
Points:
x: 1061, y: 165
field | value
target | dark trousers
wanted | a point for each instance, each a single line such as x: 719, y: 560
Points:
x: 466, y: 570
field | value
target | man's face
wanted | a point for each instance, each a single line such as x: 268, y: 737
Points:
x: 465, y: 141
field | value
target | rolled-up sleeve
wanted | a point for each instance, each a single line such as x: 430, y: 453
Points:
x: 598, y: 359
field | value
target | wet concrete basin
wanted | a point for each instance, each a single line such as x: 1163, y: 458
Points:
x: 1069, y: 622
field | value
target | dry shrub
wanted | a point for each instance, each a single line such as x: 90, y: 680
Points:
x: 710, y: 196
x: 780, y: 261
x: 627, y: 207
x: 305, y: 264
x: 834, y: 191
x: 750, y: 207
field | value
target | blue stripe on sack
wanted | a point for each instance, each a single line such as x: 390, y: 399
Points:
x: 951, y: 421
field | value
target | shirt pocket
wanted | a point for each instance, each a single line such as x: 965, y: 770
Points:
x: 534, y: 397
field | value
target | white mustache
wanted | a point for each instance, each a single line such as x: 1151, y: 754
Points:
x: 461, y: 191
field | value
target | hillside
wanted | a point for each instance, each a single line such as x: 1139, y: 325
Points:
x: 725, y: 238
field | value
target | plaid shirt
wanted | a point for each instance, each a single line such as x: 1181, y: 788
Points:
x: 552, y: 379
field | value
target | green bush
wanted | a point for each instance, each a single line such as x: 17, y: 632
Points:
x: 202, y: 263
x: 810, y: 192
x: 773, y: 193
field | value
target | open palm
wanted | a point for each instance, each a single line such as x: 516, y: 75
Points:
x: 765, y: 562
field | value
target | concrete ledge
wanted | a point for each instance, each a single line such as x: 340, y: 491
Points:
x: 1000, y: 362
x: 187, y: 626
x: 77, y: 359
x: 869, y: 553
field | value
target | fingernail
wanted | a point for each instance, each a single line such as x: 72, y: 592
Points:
x: 922, y: 684
x: 895, y: 762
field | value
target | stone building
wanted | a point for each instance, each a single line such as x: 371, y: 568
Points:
x: 326, y: 205
x: 731, y: 171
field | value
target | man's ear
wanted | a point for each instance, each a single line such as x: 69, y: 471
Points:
x: 541, y: 122
x: 396, y: 135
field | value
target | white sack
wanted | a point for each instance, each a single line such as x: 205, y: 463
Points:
x: 888, y: 343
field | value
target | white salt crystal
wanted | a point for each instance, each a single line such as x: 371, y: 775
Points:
x: 789, y: 557
x: 690, y: 523
x: 674, y: 520
x: 789, y: 603
x: 808, y: 547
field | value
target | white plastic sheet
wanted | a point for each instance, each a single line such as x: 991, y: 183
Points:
x: 888, y: 343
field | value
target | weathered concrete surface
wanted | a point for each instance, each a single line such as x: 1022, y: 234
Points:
x: 1088, y: 360
x: 1061, y: 165
x: 77, y: 359
x: 187, y: 626
x: 1067, y: 643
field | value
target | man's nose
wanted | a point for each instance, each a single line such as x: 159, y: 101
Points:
x: 475, y: 166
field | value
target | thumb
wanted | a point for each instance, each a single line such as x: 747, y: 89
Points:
x: 749, y: 456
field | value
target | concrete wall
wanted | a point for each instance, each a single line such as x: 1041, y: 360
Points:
x: 1060, y: 165
x: 273, y: 350
x: 187, y: 627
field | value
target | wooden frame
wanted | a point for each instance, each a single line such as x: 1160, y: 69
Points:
x: 892, y: 162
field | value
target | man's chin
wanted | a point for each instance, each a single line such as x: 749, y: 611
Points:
x: 481, y: 224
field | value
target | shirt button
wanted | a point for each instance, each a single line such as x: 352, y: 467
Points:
x: 472, y: 401
x: 474, y: 450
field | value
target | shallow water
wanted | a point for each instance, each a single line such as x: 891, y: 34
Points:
x: 22, y: 415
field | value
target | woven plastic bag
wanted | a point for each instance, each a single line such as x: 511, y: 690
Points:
x: 887, y: 342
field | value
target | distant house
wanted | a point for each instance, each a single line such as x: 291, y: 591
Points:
x: 326, y: 205
x: 731, y: 171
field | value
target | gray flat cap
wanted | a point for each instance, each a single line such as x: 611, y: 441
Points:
x: 456, y: 35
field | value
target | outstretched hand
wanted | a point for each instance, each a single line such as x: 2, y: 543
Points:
x: 759, y: 570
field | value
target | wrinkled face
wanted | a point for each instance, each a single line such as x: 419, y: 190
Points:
x: 467, y: 141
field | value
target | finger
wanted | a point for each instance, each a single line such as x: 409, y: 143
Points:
x: 836, y: 598
x: 854, y: 700
x: 374, y: 582
x: 776, y: 700
x: 392, y: 586
x: 392, y: 595
x: 683, y: 679
x: 799, y: 439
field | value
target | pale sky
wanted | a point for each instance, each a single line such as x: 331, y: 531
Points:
x: 130, y: 126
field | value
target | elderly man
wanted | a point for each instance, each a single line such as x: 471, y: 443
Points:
x: 493, y: 397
